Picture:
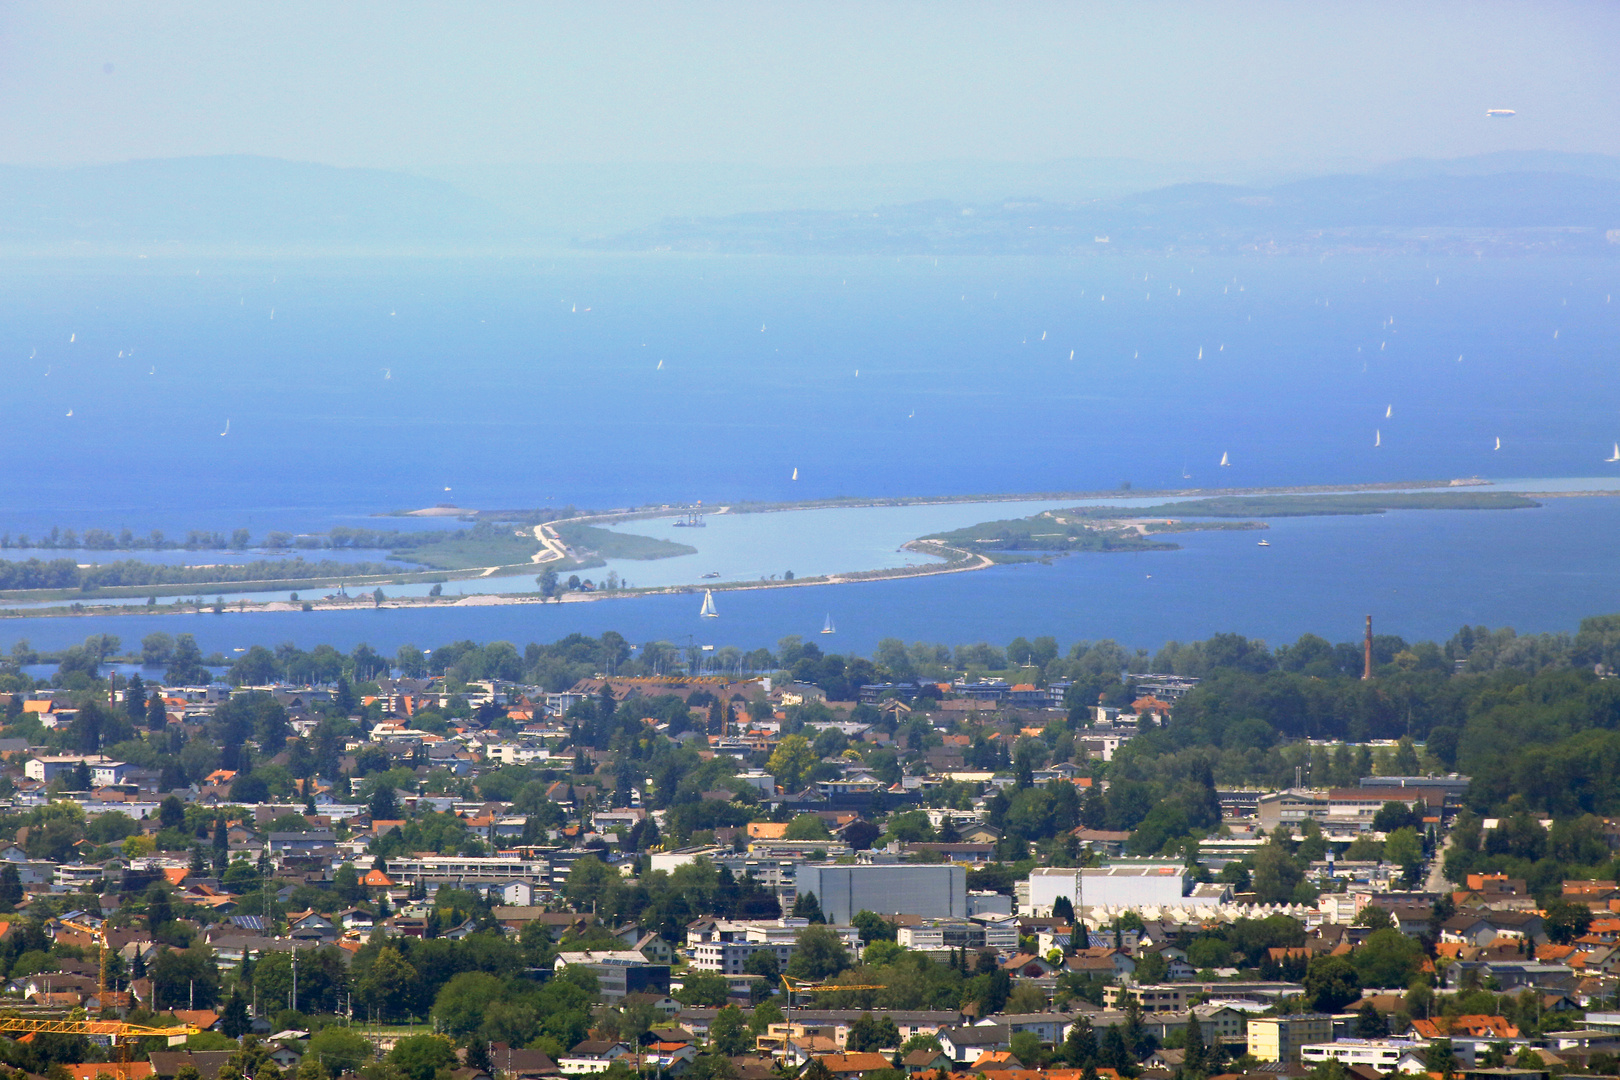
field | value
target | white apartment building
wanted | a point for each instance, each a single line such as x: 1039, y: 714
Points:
x: 1382, y: 1054
x: 724, y: 946
x: 47, y: 767
x: 457, y: 868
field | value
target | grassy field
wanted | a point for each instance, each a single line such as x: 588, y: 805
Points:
x: 607, y: 544
x: 468, y: 552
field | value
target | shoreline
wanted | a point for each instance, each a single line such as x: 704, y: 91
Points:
x: 553, y: 551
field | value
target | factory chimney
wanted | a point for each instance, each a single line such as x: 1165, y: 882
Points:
x: 1366, y: 659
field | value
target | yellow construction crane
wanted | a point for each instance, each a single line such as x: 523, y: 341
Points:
x: 99, y: 935
x: 791, y: 986
x: 115, y: 1030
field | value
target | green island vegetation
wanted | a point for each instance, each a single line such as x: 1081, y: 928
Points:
x: 1108, y: 528
x: 481, y: 546
x: 64, y: 575
x: 1350, y: 502
x: 607, y: 544
x: 1047, y: 532
x: 1533, y: 719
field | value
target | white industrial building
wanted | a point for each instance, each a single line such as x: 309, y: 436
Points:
x: 1128, y: 883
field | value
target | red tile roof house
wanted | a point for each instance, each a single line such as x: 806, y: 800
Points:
x: 853, y: 1065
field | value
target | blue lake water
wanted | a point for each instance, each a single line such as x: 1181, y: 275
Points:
x: 354, y: 388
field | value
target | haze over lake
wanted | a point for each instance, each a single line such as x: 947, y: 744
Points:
x: 354, y: 387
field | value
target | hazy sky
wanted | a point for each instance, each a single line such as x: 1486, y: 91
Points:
x: 786, y: 84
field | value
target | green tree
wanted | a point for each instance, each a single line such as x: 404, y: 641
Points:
x: 1566, y: 921
x: 1370, y: 1023
x: 765, y: 1014
x: 1080, y: 1048
x: 340, y: 1049
x: 703, y: 989
x: 460, y: 1004
x: 186, y: 664
x: 807, y: 827
x: 819, y: 954
x: 424, y: 1057
x: 728, y: 1031
x: 1026, y: 1047
x: 791, y: 762
x: 763, y: 962
x: 1331, y: 983
x: 1388, y: 958
x: 870, y: 1032
x: 234, y: 1019
x: 1275, y: 875
x: 388, y: 985
x: 806, y: 906
x: 873, y: 927
x: 1441, y: 1058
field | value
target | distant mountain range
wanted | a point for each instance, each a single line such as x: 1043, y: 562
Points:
x: 1404, y: 208
x: 1508, y: 203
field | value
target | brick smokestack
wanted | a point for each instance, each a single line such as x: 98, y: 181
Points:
x: 1366, y: 658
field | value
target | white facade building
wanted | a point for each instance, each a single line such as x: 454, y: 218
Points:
x: 48, y: 767
x: 1382, y: 1054
x: 1136, y: 883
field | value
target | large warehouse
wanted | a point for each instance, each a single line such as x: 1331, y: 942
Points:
x: 927, y: 890
x: 1140, y: 883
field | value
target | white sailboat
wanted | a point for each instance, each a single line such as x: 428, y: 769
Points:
x: 227, y: 430
x: 1387, y: 410
x: 1499, y: 442
x: 1378, y: 437
x: 707, y: 610
x: 1200, y: 352
x: 1225, y: 462
x: 1612, y: 457
x: 828, y: 628
x: 795, y: 472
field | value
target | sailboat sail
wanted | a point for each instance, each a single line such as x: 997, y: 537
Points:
x: 828, y: 628
x: 707, y: 610
x: 1224, y: 460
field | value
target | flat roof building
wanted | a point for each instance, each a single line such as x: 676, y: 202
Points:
x: 845, y: 891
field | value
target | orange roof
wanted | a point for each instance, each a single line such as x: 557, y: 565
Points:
x: 175, y: 874
x: 199, y: 1018
x: 121, y: 1070
x: 991, y: 1059
x: 377, y: 878
x: 767, y: 830
x: 1476, y: 1026
x: 220, y: 776
x: 380, y: 827
x: 860, y: 1062
x: 38, y: 706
